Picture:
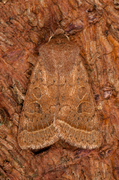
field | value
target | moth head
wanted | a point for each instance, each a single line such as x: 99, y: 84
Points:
x: 59, y: 36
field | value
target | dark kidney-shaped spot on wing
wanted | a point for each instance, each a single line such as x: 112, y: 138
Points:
x: 37, y: 92
x: 85, y: 107
x: 34, y: 108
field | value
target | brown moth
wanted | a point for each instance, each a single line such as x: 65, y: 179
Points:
x: 59, y: 102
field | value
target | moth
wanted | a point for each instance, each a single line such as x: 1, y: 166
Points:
x: 59, y: 102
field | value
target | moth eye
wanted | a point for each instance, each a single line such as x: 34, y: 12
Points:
x: 34, y: 108
x: 37, y: 92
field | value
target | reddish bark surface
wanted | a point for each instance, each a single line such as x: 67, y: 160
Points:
x: 24, y: 27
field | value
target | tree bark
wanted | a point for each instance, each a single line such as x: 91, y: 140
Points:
x: 24, y: 27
